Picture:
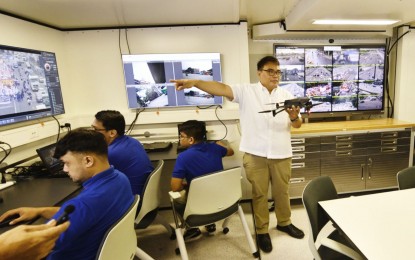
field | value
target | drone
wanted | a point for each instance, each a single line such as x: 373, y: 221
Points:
x: 297, y: 102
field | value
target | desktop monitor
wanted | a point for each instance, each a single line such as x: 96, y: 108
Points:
x: 147, y: 79
x: 343, y: 79
x: 29, y: 85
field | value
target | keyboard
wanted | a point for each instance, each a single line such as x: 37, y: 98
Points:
x: 157, y: 146
x: 6, y: 185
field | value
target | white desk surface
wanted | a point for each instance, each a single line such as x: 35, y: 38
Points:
x: 381, y: 225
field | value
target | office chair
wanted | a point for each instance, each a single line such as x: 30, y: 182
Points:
x: 120, y: 241
x: 211, y: 198
x: 333, y: 246
x: 147, y: 211
x: 406, y: 178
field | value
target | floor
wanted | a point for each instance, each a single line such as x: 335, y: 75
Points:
x: 155, y: 240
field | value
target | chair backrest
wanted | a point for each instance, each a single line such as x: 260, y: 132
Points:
x: 318, y: 189
x: 213, y: 193
x: 120, y: 241
x: 406, y: 178
x: 151, y: 198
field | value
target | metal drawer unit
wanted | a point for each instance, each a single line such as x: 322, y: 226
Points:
x: 305, y: 163
x: 368, y: 161
x: 344, y: 159
x: 387, y: 159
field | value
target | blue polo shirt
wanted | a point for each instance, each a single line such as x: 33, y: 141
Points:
x: 199, y: 159
x: 128, y: 156
x: 103, y: 200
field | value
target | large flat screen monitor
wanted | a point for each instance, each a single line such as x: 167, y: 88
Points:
x: 342, y: 78
x: 147, y: 79
x: 29, y: 85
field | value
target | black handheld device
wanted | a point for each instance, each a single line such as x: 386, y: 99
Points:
x: 65, y: 215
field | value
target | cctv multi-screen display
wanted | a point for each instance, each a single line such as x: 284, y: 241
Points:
x: 29, y: 85
x: 339, y: 78
x: 147, y: 79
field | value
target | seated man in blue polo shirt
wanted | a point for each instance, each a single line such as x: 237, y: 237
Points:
x: 105, y: 197
x: 198, y: 159
x: 125, y: 153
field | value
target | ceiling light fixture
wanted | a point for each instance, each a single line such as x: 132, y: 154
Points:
x: 355, y: 22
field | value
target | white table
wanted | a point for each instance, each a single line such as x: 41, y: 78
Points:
x: 381, y: 225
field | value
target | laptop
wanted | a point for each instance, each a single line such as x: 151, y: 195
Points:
x: 52, y: 165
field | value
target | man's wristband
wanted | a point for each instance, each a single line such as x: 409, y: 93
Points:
x: 293, y: 120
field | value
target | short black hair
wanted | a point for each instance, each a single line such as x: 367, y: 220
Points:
x: 267, y: 59
x: 195, y: 129
x: 82, y: 140
x: 112, y: 119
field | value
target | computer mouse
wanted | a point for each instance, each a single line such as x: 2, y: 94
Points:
x: 6, y: 222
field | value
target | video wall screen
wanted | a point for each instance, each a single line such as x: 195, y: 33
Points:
x: 29, y: 85
x: 341, y: 78
x: 147, y: 79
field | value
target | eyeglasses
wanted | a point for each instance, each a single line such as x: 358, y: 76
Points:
x: 272, y: 72
x: 182, y: 137
x: 97, y: 129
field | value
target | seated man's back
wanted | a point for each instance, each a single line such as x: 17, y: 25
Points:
x: 129, y: 157
x: 104, y: 199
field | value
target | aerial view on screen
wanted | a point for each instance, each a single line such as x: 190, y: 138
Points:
x: 148, y: 76
x: 22, y: 85
x: 348, y: 79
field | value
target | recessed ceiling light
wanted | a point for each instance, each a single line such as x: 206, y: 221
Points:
x: 356, y: 22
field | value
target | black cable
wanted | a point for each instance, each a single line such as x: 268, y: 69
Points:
x: 119, y: 41
x: 392, y: 106
x: 6, y: 154
x: 137, y: 113
x: 126, y: 39
x: 226, y: 129
x: 59, y: 128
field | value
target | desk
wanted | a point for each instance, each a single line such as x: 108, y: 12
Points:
x: 37, y: 193
x: 381, y: 226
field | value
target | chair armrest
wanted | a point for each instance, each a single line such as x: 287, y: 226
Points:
x: 174, y: 194
x: 341, y: 248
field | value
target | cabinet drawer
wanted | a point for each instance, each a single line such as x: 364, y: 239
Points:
x: 389, y: 149
x: 343, y: 153
x: 343, y: 138
x: 349, y: 145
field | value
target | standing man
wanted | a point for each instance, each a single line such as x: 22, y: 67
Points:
x: 105, y: 197
x: 266, y: 141
x: 125, y: 153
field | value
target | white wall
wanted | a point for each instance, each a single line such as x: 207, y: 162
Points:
x: 405, y: 77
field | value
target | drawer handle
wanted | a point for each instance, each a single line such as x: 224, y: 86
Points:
x: 297, y: 165
x: 298, y: 141
x: 389, y: 135
x: 389, y: 149
x: 297, y: 180
x: 344, y: 153
x: 298, y: 156
x: 298, y: 148
x: 344, y: 138
x: 389, y: 142
x: 344, y: 146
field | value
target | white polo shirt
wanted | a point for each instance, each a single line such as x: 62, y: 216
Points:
x: 263, y: 134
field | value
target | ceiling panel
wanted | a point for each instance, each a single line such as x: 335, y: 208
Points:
x: 70, y: 14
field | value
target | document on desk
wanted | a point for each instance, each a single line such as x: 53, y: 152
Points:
x: 7, y: 184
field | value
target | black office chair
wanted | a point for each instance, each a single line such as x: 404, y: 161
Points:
x: 406, y: 178
x: 334, y: 246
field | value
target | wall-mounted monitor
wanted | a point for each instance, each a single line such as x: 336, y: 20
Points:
x: 343, y: 78
x: 29, y: 85
x: 147, y: 79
